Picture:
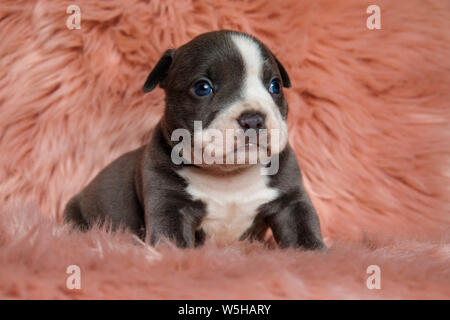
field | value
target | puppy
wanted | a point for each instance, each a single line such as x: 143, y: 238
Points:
x: 222, y: 80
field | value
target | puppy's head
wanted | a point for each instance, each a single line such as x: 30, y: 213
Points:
x: 228, y: 81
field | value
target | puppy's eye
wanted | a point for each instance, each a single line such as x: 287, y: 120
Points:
x: 275, y: 87
x: 202, y: 88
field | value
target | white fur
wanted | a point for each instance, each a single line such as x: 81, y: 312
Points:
x: 231, y: 199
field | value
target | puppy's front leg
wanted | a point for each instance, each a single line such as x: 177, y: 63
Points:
x: 297, y: 225
x: 176, y: 221
x: 169, y: 212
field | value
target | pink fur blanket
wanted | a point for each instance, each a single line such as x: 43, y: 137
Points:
x: 369, y: 119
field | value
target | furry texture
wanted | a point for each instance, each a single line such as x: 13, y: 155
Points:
x: 369, y: 119
x: 35, y: 253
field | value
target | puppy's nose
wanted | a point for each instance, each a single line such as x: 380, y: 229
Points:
x: 251, y: 120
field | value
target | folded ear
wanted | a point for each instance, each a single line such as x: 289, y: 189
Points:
x: 159, y: 72
x: 284, y: 74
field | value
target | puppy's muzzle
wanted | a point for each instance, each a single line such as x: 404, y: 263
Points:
x: 251, y: 122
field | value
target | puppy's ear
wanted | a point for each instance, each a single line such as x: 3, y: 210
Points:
x: 159, y: 72
x: 284, y: 74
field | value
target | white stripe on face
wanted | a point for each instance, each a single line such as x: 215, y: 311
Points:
x: 256, y: 95
x: 251, y: 55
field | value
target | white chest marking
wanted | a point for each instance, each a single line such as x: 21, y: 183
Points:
x: 231, y: 200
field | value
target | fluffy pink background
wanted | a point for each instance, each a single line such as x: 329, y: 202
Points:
x: 369, y: 119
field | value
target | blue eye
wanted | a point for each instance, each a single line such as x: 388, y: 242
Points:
x: 275, y: 87
x: 202, y: 88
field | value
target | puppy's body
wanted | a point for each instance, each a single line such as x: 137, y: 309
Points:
x: 147, y: 192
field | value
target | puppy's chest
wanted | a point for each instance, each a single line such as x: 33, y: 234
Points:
x: 231, y: 201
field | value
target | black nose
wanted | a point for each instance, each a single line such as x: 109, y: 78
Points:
x: 251, y: 120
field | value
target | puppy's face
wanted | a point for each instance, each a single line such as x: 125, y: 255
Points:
x: 228, y: 81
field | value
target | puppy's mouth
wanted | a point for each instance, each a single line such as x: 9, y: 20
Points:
x: 248, y: 144
x: 215, y: 148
